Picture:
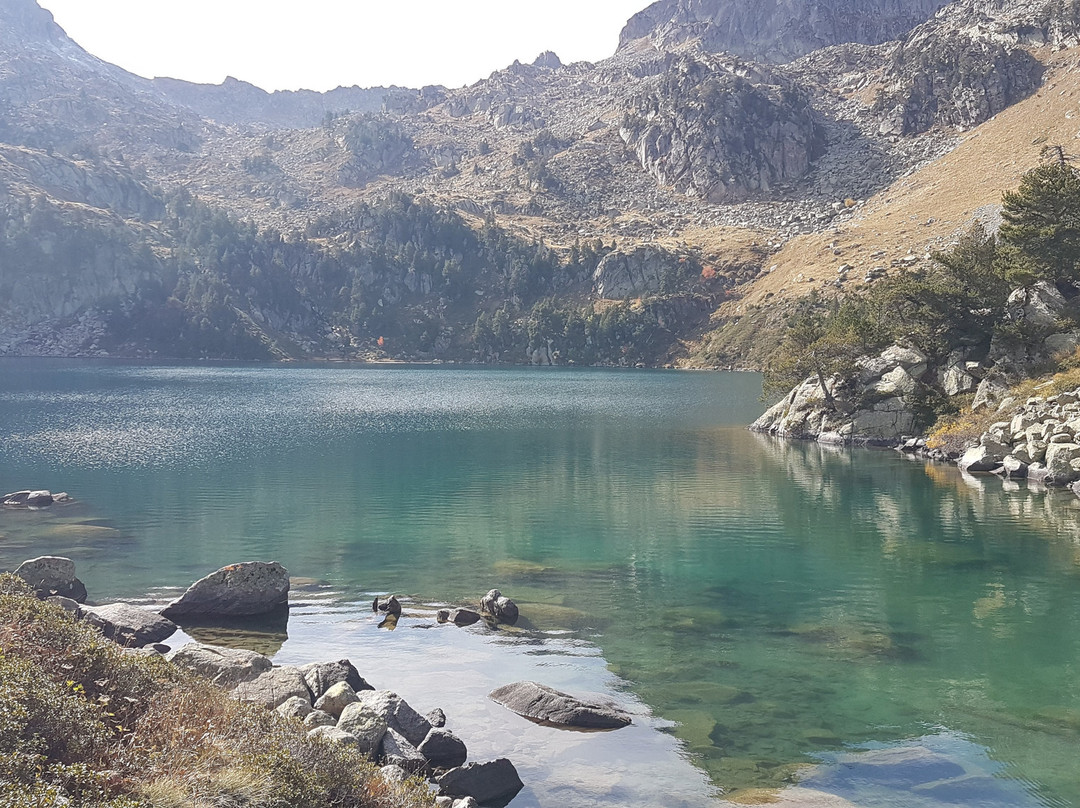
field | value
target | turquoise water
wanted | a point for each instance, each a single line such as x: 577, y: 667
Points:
x: 785, y: 621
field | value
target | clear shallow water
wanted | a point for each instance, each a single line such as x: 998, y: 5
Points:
x: 885, y: 632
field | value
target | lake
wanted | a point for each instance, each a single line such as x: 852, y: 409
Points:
x: 786, y: 622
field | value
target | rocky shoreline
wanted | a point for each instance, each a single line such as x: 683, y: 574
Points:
x: 333, y: 702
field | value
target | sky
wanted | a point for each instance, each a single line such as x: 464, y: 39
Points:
x: 321, y: 44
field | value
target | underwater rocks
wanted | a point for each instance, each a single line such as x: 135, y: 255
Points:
x: 549, y: 706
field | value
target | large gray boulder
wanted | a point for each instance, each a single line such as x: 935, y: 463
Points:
x: 238, y: 590
x: 542, y: 703
x: 321, y: 676
x: 484, y: 782
x: 367, y: 726
x: 52, y: 575
x: 129, y: 625
x: 227, y: 667
x: 274, y: 687
x: 397, y: 751
x: 396, y: 712
x: 443, y: 749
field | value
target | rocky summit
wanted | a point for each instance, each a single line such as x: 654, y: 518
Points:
x: 664, y: 206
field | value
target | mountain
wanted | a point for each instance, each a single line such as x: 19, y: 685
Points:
x: 619, y: 212
x: 775, y: 30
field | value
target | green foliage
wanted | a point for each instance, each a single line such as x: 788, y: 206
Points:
x: 1040, y: 236
x: 83, y: 724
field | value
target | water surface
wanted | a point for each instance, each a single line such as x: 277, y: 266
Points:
x: 785, y: 621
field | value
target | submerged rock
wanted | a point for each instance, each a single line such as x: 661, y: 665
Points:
x: 542, y: 703
x: 238, y: 590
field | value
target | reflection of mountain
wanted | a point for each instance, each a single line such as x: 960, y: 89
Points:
x: 779, y: 600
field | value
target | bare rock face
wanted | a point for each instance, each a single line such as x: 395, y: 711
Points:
x: 238, y: 590
x: 776, y: 31
x: 646, y: 269
x: 723, y: 133
x: 545, y: 704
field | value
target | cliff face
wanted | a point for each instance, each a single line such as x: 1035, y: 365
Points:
x: 776, y: 30
x: 721, y: 132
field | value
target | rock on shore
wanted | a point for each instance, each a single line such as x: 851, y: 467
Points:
x: 238, y: 590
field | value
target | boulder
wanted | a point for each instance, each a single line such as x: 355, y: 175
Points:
x: 956, y: 380
x: 1014, y: 468
x: 1039, y: 305
x: 274, y: 687
x: 545, y: 704
x: 367, y: 726
x: 321, y: 676
x: 129, y: 625
x: 437, y: 718
x: 52, y: 575
x: 393, y: 775
x: 227, y: 667
x: 443, y: 750
x: 336, y: 699
x: 1059, y: 463
x: 396, y: 712
x: 980, y: 459
x: 238, y: 590
x: 500, y: 607
x: 397, y: 751
x: 459, y: 617
x: 317, y: 718
x: 897, y: 382
x: 910, y: 359
x: 67, y: 604
x: 296, y: 707
x: 332, y: 734
x: 28, y: 499
x: 989, y: 393
x: 484, y: 782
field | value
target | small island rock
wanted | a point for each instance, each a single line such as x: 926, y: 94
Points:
x: 500, y: 607
x: 238, y: 590
x: 545, y: 704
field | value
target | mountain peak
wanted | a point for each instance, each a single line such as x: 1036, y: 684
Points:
x: 28, y: 20
x: 776, y: 30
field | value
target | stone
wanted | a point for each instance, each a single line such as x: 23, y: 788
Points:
x: 1014, y: 468
x: 549, y: 706
x: 321, y: 676
x: 459, y: 617
x: 437, y: 718
x: 317, y: 718
x: 52, y: 575
x: 956, y: 381
x: 444, y: 802
x: 397, y: 713
x: 1059, y: 468
x: 466, y: 802
x: 1039, y: 305
x: 980, y: 459
x: 397, y: 751
x: 28, y: 499
x: 500, y: 607
x: 897, y: 382
x: 484, y: 782
x: 393, y: 775
x: 990, y: 391
x: 1062, y: 343
x: 443, y: 750
x: 367, y: 726
x: 238, y: 590
x: 296, y: 707
x: 907, y: 358
x: 274, y: 687
x: 129, y: 625
x: 67, y: 604
x: 227, y: 667
x: 332, y: 734
x: 336, y: 699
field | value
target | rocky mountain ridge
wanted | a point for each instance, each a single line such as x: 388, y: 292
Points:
x: 706, y: 159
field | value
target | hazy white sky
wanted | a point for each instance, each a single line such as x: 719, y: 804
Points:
x: 320, y: 44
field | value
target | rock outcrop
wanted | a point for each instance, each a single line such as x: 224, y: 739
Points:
x: 238, y: 590
x: 646, y: 269
x: 549, y: 706
x: 777, y: 31
x: 723, y: 131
